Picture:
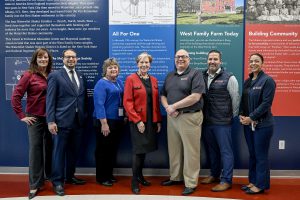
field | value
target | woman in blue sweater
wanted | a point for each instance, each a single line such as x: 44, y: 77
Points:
x: 256, y: 116
x: 108, y: 120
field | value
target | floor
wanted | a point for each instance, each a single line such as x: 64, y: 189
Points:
x: 281, y: 189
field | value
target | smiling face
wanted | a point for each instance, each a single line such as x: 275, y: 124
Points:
x: 42, y: 61
x: 214, y: 62
x: 143, y: 64
x: 70, y: 59
x: 182, y: 60
x: 255, y: 64
x: 112, y: 72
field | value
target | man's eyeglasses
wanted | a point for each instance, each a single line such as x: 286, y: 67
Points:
x: 69, y: 57
x: 182, y: 57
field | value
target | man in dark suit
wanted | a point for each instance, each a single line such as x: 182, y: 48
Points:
x: 66, y: 114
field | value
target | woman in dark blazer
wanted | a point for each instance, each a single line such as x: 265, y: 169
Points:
x: 141, y: 102
x: 256, y: 116
x: 34, y: 83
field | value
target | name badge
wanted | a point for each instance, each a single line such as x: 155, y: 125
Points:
x: 121, y: 111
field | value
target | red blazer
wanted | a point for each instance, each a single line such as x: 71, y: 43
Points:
x: 135, y: 99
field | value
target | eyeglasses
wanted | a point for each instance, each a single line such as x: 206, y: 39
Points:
x: 182, y: 57
x: 69, y: 57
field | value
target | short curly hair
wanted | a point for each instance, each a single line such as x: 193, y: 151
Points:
x: 108, y: 62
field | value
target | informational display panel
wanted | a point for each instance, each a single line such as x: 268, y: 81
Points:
x: 215, y: 25
x: 56, y: 25
x: 273, y: 30
x: 142, y: 26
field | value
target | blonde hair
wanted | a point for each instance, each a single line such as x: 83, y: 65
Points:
x: 142, y: 55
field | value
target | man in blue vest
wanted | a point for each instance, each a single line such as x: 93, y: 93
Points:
x: 221, y: 103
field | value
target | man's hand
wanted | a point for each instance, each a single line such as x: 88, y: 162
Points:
x: 52, y: 128
x: 170, y: 109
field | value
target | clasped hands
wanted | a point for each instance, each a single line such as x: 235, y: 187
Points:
x: 247, y: 120
x: 171, y: 111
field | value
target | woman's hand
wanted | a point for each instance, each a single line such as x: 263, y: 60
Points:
x: 245, y: 120
x: 158, y: 127
x: 29, y: 120
x: 105, y: 129
x: 141, y: 127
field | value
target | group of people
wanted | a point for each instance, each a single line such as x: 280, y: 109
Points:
x: 57, y: 105
x: 273, y: 10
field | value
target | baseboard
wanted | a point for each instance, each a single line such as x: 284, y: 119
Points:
x: 154, y: 172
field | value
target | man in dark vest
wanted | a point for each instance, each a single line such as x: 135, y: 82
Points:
x: 221, y: 103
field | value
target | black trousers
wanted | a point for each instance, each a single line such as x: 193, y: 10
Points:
x: 107, y: 148
x: 40, y: 152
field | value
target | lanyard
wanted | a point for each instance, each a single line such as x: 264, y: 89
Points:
x: 118, y: 87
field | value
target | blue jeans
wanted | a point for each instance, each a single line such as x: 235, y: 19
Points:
x: 258, y: 142
x: 219, y: 143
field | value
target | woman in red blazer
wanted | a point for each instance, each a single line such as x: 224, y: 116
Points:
x: 141, y: 102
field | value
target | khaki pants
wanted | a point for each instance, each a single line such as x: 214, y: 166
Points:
x: 184, y: 134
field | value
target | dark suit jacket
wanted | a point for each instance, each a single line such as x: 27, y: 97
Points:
x: 62, y: 99
x: 135, y: 99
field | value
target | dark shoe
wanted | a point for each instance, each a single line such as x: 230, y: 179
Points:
x: 209, y: 180
x: 170, y: 182
x: 135, y: 187
x: 245, y: 187
x: 143, y: 181
x: 32, y: 194
x: 75, y: 181
x: 221, y: 187
x: 249, y: 191
x: 188, y: 190
x: 59, y: 190
x: 107, y: 183
x: 113, y: 179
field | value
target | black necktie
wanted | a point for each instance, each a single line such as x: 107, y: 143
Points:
x: 73, y: 80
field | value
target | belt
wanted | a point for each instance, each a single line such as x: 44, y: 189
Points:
x: 189, y: 111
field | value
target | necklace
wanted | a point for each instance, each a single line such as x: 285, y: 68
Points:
x: 141, y: 76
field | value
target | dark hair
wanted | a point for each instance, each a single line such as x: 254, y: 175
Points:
x: 215, y: 51
x: 138, y: 58
x: 63, y: 53
x: 259, y: 55
x: 33, y: 68
x: 108, y: 62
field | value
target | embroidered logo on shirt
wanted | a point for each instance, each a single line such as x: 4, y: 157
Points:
x: 257, y: 88
x: 219, y: 81
x: 184, y: 79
